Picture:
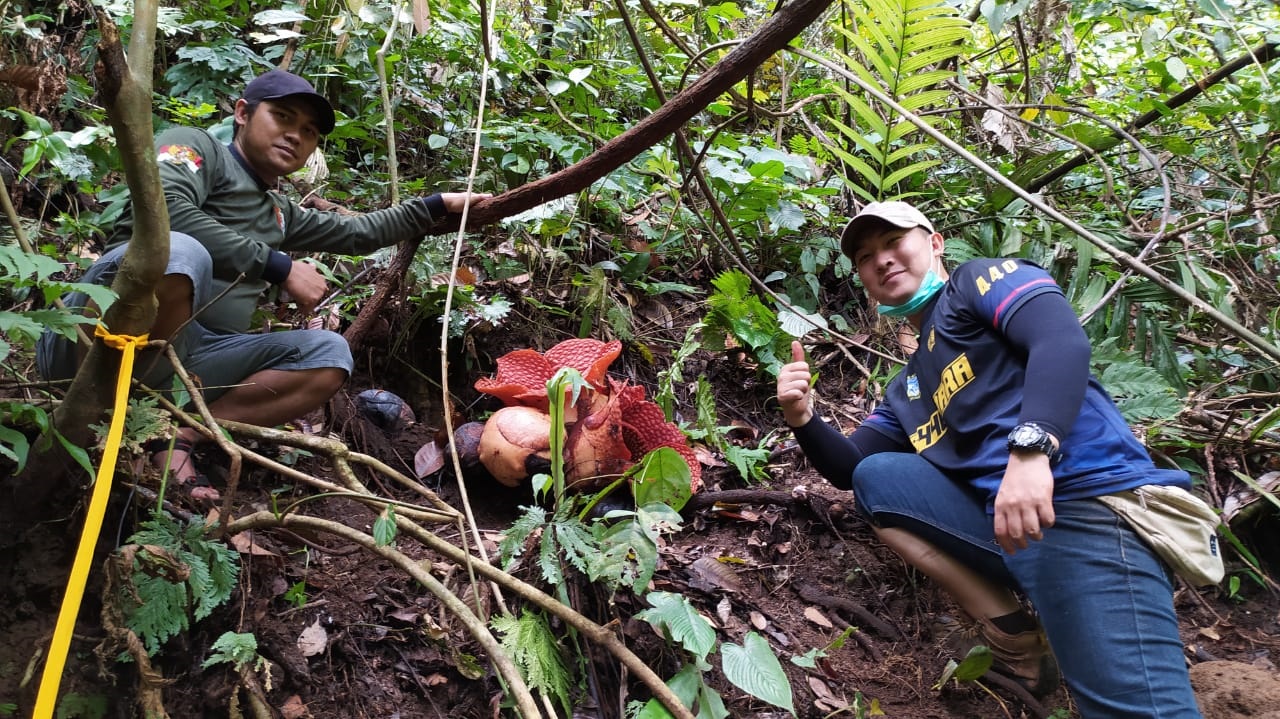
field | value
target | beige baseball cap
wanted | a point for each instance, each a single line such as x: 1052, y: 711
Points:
x: 894, y: 212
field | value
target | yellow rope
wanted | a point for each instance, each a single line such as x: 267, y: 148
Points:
x: 46, y: 700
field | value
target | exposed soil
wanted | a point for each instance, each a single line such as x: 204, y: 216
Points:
x: 795, y: 564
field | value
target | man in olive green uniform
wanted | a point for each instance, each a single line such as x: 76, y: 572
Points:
x: 230, y: 236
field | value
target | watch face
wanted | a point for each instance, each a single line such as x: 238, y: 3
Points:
x: 1029, y: 436
x: 1026, y: 436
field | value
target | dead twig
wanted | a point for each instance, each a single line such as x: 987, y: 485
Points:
x: 811, y: 593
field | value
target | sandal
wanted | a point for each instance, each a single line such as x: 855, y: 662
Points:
x: 192, y: 485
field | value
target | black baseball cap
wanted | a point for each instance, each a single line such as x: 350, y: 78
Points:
x: 278, y: 84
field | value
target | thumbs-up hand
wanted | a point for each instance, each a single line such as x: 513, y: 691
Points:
x: 794, y: 381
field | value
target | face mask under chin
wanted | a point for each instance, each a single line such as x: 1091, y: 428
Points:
x: 929, y: 287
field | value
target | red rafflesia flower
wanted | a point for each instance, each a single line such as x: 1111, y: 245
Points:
x: 610, y: 428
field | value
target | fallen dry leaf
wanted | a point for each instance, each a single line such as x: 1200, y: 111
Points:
x: 407, y: 616
x: 724, y: 610
x: 294, y: 708
x: 758, y: 620
x: 428, y: 460
x: 817, y: 617
x: 313, y: 640
x: 710, y: 573
x: 244, y: 544
x: 707, y: 457
x: 820, y: 689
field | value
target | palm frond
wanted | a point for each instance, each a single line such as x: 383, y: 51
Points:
x: 899, y: 45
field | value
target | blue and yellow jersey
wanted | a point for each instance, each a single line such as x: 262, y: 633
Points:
x: 961, y: 393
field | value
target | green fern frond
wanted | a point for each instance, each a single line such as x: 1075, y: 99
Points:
x: 157, y: 608
x: 893, y: 44
x: 576, y: 543
x: 533, y: 647
x: 628, y: 557
x: 514, y: 539
x: 549, y: 559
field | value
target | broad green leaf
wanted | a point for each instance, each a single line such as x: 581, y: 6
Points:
x: 661, y: 476
x: 14, y: 445
x: 975, y: 664
x: 279, y: 17
x: 772, y: 169
x: 750, y: 462
x: 658, y: 518
x: 755, y: 669
x: 997, y: 13
x: 733, y: 173
x: 1176, y: 68
x: 690, y: 688
x: 20, y: 327
x: 674, y: 616
x: 785, y: 216
x: 578, y: 74
x: 800, y: 324
x: 384, y: 527
x: 1217, y: 9
x: 518, y: 164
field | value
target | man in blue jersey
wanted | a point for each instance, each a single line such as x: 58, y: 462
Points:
x: 982, y: 466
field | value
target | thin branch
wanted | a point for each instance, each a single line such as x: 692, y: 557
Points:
x: 589, y: 629
x: 1259, y: 55
x: 446, y: 396
x: 388, y: 116
x: 514, y: 682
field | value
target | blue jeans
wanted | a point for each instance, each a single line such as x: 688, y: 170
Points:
x: 1104, y: 599
x: 221, y: 361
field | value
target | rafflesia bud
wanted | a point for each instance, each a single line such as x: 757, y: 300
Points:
x: 385, y: 409
x: 516, y: 444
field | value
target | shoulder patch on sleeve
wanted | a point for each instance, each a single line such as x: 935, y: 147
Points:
x: 181, y: 155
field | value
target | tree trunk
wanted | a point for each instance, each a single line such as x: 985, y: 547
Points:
x: 126, y: 92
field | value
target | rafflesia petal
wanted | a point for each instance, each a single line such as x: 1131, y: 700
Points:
x: 521, y: 379
x: 590, y: 357
x: 645, y: 428
x: 595, y: 450
x: 612, y: 438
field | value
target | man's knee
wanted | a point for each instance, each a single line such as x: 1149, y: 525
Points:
x: 875, y: 473
x: 329, y: 380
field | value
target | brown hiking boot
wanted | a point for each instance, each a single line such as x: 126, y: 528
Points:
x: 1023, y: 657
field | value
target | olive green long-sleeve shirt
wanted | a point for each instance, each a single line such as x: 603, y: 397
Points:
x: 247, y: 227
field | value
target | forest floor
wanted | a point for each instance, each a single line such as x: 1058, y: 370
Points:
x: 349, y: 635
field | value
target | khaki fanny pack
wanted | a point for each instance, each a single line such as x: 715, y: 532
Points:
x: 1180, y: 527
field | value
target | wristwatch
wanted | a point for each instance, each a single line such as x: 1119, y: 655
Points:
x: 1031, y: 437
